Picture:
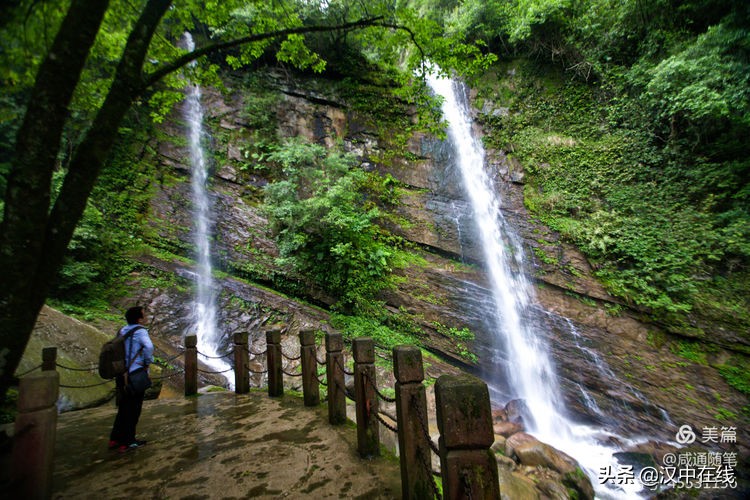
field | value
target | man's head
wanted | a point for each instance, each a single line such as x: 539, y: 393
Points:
x: 134, y: 314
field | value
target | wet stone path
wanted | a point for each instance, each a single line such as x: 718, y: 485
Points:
x: 219, y: 445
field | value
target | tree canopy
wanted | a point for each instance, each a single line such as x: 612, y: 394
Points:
x: 652, y: 184
x: 91, y: 60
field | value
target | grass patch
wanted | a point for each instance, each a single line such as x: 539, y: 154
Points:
x: 642, y: 213
x: 692, y: 351
x: 352, y: 327
x: 736, y: 372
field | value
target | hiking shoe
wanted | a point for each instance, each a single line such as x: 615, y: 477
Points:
x: 113, y: 444
x: 132, y: 446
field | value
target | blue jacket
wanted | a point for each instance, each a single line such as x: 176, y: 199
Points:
x: 133, y: 344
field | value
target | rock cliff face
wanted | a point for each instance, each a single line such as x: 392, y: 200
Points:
x: 614, y: 368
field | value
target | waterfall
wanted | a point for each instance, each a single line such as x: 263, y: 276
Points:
x: 536, y: 383
x: 529, y: 370
x: 204, y: 308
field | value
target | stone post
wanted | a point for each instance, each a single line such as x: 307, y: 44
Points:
x: 310, y: 383
x: 335, y: 379
x: 368, y: 429
x: 274, y: 362
x: 191, y: 365
x: 49, y: 358
x: 464, y: 419
x: 241, y: 364
x: 411, y: 415
x: 34, y: 435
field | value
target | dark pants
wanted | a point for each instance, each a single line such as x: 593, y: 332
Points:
x: 128, y: 412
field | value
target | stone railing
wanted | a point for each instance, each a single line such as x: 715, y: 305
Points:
x: 467, y: 465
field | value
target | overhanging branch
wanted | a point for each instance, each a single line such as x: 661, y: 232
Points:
x: 181, y: 61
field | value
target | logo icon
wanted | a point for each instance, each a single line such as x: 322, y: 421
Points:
x: 685, y: 435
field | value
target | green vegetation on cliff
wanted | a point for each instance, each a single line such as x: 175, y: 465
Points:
x: 630, y: 120
x: 326, y: 227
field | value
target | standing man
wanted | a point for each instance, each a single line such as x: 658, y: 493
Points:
x: 139, y: 351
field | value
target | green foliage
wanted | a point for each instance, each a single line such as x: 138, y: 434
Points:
x: 736, y: 372
x: 8, y: 409
x: 704, y: 90
x: 459, y: 336
x: 258, y: 136
x: 26, y: 35
x: 544, y: 256
x: 89, y: 251
x: 325, y: 225
x: 453, y: 332
x: 661, y: 225
x: 293, y: 50
x: 724, y: 414
x: 465, y: 353
x: 352, y: 327
x: 113, y: 225
x: 81, y: 268
x: 525, y: 16
x: 693, y: 351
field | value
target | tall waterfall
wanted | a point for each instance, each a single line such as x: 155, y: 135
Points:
x: 529, y: 369
x: 204, y: 311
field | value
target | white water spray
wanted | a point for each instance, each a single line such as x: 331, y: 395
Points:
x: 204, y: 313
x: 530, y: 371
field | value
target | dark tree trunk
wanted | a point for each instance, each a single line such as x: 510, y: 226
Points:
x: 91, y: 154
x: 33, y: 238
x: 48, y: 235
x: 27, y: 196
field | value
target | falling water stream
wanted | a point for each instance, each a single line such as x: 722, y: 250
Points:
x: 530, y: 371
x: 204, y: 311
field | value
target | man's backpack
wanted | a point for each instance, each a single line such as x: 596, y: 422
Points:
x: 112, y: 356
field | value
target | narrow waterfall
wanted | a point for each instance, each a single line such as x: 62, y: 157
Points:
x: 529, y: 370
x: 204, y: 310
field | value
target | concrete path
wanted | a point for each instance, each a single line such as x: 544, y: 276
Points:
x: 219, y: 445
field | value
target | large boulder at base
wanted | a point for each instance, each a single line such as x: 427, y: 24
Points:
x: 519, y: 439
x: 515, y: 410
x: 506, y: 428
x: 498, y: 447
x: 528, y: 450
x: 499, y: 415
x: 516, y: 486
x: 580, y: 482
x: 553, y: 489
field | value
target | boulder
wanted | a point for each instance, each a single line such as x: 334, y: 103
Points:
x: 515, y: 410
x: 516, y: 486
x: 516, y: 440
x: 531, y: 452
x: 499, y: 445
x: 499, y: 415
x: 553, y: 489
x: 580, y: 482
x: 506, y: 429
